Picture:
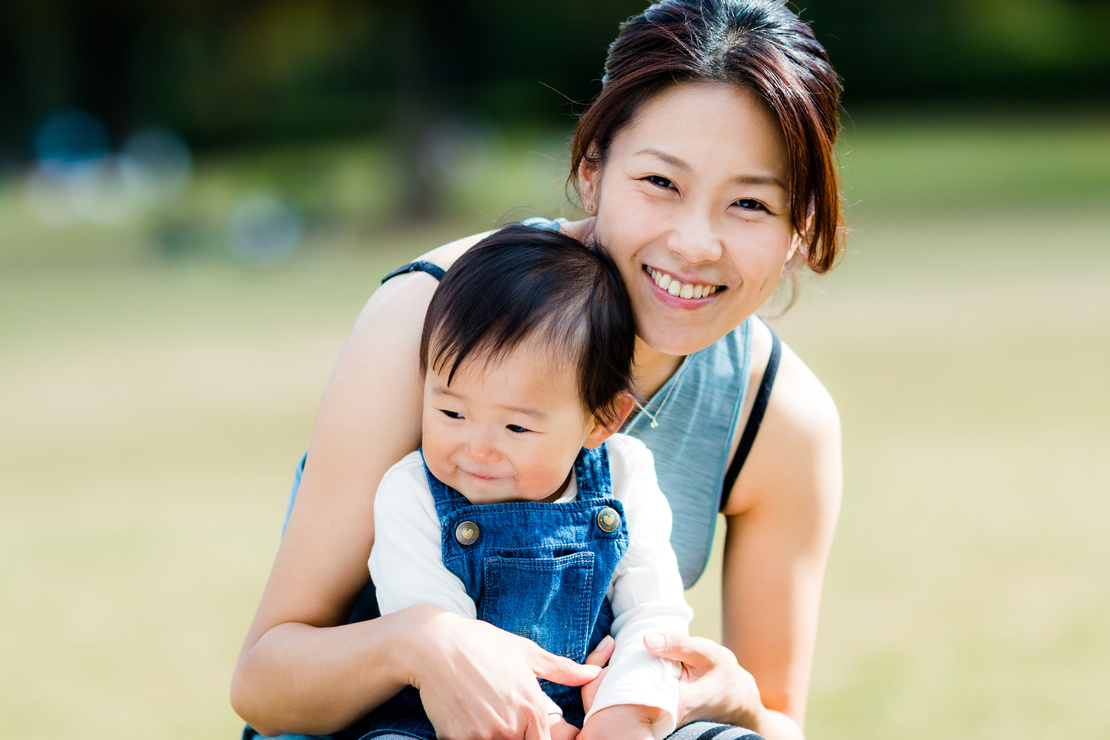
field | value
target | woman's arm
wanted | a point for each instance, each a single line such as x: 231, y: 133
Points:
x: 781, y: 517
x: 301, y: 669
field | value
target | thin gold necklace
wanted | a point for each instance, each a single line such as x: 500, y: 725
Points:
x: 667, y: 397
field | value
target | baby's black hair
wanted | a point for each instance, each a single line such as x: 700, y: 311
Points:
x: 523, y: 282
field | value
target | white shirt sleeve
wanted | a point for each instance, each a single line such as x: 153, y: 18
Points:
x: 406, y: 561
x: 646, y: 591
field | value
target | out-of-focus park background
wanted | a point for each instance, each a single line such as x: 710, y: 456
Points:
x: 197, y: 197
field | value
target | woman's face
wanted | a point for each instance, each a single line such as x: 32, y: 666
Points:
x: 693, y: 204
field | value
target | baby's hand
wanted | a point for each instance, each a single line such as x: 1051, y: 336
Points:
x: 620, y: 722
x: 560, y: 729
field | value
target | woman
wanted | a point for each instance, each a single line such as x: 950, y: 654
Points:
x: 706, y: 168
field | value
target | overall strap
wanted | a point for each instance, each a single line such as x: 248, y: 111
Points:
x: 419, y: 266
x: 591, y: 472
x: 759, y: 407
x: 447, y: 500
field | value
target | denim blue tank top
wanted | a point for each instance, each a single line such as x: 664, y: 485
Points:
x: 695, y: 414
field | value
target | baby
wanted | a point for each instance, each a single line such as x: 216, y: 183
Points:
x: 522, y: 507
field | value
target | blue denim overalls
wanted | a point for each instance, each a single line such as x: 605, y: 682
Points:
x: 538, y: 570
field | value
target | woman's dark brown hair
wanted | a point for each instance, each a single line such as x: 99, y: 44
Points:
x: 757, y: 44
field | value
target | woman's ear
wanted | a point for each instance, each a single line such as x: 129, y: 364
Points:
x: 588, y: 180
x: 602, y: 430
x: 800, y: 240
x: 796, y: 243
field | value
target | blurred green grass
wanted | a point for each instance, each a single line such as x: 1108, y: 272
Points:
x: 154, y: 403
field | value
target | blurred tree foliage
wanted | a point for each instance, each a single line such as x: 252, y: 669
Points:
x: 226, y: 73
x: 968, y: 50
x: 229, y: 73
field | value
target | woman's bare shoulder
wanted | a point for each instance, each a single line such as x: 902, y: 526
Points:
x: 445, y: 255
x: 798, y: 447
x: 367, y: 420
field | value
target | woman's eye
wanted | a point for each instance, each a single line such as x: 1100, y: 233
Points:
x: 516, y: 428
x: 748, y: 204
x: 451, y: 414
x: 659, y: 181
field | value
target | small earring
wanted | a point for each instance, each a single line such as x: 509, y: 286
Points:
x: 590, y: 208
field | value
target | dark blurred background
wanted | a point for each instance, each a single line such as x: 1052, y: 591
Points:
x: 232, y: 73
x: 109, y: 104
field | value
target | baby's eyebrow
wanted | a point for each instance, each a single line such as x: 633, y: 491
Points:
x: 532, y: 411
x: 527, y: 411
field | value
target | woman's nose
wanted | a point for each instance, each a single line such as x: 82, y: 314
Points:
x: 695, y: 239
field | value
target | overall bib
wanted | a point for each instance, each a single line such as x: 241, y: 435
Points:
x: 538, y: 570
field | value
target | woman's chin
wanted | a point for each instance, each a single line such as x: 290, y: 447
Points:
x: 678, y: 340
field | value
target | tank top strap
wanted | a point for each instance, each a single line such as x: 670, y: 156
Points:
x: 540, y: 222
x: 755, y: 418
x: 438, y: 272
x: 418, y: 266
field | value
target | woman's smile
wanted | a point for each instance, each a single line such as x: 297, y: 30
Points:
x: 676, y: 287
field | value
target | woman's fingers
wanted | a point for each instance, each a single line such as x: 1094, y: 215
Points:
x: 600, y: 656
x: 477, y: 681
x: 714, y: 686
x: 694, y: 653
x: 603, y: 651
x: 589, y: 691
x: 562, y: 670
x: 536, y: 727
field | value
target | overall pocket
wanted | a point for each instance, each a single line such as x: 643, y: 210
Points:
x: 548, y: 600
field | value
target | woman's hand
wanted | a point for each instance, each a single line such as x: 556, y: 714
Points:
x: 478, y: 681
x: 713, y: 687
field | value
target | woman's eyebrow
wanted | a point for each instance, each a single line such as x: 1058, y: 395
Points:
x: 759, y: 180
x: 738, y: 179
x: 668, y: 158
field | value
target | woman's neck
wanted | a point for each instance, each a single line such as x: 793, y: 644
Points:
x: 653, y: 368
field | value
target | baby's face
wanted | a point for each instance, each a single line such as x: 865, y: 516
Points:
x: 508, y: 429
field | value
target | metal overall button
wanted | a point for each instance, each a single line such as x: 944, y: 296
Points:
x: 608, y: 519
x: 466, y: 533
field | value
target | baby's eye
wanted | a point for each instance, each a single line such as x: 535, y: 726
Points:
x: 518, y: 429
x: 748, y: 204
x: 451, y: 414
x: 660, y: 181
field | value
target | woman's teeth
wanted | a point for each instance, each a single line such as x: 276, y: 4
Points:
x: 682, y: 290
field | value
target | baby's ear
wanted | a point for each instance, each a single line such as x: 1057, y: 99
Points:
x: 603, y: 430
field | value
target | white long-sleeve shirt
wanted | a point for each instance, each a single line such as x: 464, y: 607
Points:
x: 645, y: 592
